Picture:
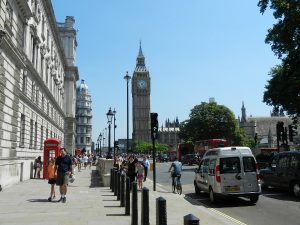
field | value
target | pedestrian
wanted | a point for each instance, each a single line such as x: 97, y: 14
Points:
x: 146, y: 165
x: 131, y: 169
x: 63, y: 169
x: 51, y: 178
x: 38, y: 164
x: 140, y: 174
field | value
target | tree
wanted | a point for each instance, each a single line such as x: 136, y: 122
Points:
x: 209, y: 120
x: 146, y: 147
x: 282, y: 90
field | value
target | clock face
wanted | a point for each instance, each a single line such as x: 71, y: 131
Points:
x: 142, y: 84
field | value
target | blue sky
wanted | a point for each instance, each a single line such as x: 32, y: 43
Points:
x: 194, y: 50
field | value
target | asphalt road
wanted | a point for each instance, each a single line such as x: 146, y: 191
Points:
x: 274, y: 207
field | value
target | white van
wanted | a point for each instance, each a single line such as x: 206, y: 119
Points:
x: 228, y: 171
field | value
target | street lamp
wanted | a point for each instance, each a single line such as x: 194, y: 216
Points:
x: 109, y: 115
x: 127, y: 78
x: 115, y: 126
x: 99, y: 147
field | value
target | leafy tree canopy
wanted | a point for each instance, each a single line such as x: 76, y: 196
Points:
x: 209, y: 120
x: 282, y: 90
x: 146, y: 147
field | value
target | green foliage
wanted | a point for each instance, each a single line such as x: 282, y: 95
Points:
x: 249, y: 142
x: 282, y: 90
x: 146, y: 147
x: 209, y: 120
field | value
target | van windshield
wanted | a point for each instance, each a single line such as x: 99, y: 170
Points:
x: 230, y: 165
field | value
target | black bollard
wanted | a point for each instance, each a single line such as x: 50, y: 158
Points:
x: 134, y: 207
x: 116, y: 183
x: 122, y: 190
x: 111, y: 178
x: 119, y: 186
x: 145, y: 207
x: 161, y: 211
x: 190, y: 219
x: 127, y: 200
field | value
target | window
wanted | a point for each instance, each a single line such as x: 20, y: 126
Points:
x: 212, y: 166
x: 24, y: 84
x: 283, y: 161
x: 249, y: 164
x: 9, y: 15
x: 35, y: 135
x: 88, y: 139
x: 81, y: 140
x: 230, y: 165
x: 295, y: 162
x: 47, y: 133
x: 22, y: 131
x: 31, y: 134
x: 42, y: 137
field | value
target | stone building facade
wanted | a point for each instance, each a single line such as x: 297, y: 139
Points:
x: 84, y: 118
x: 33, y: 95
x: 168, y: 134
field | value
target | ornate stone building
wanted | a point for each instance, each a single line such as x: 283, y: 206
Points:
x: 168, y: 134
x: 33, y: 92
x: 141, y: 100
x: 84, y: 118
x: 265, y: 127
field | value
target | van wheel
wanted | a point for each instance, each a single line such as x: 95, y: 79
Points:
x: 212, y: 196
x: 197, y: 190
x: 296, y: 189
x: 254, y: 198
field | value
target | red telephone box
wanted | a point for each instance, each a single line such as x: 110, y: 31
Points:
x: 51, y: 150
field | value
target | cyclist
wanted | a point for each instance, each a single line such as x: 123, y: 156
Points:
x: 176, y: 171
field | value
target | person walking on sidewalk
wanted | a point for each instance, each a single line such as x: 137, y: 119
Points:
x: 146, y: 165
x: 63, y: 169
x: 51, y: 178
x: 140, y: 174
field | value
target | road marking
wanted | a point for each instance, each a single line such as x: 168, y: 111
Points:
x: 226, y: 216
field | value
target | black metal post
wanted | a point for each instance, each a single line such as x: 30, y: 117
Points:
x: 119, y: 186
x: 127, y: 78
x: 114, y: 112
x: 134, y: 214
x: 161, y: 211
x: 122, y: 189
x: 109, y: 147
x: 100, y: 149
x: 116, y: 183
x: 127, y: 201
x: 190, y: 219
x: 154, y: 167
x: 145, y: 207
x: 111, y: 179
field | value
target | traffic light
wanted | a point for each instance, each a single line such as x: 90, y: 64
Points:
x: 154, y: 126
x: 292, y: 131
x: 279, y: 130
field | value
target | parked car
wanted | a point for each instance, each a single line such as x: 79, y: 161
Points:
x: 283, y: 172
x: 228, y: 171
x: 162, y: 158
x: 189, y: 159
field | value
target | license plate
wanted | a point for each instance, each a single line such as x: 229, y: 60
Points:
x: 232, y: 189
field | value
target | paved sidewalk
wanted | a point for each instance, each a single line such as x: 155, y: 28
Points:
x: 88, y: 204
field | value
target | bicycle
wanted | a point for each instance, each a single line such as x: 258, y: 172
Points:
x: 176, y: 184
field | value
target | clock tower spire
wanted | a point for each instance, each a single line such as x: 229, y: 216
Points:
x: 141, y: 100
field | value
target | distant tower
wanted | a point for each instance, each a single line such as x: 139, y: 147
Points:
x: 141, y: 100
x: 84, y: 118
x: 243, y: 119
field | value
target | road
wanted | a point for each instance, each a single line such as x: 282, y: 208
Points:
x: 274, y: 207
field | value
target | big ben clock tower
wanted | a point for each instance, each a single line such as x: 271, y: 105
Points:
x: 141, y: 100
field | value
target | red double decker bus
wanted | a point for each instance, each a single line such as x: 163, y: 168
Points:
x: 184, y: 149
x: 200, y: 147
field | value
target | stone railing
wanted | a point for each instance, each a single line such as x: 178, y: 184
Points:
x: 103, y: 167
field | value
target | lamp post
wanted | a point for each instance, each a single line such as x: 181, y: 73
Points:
x: 127, y: 78
x: 109, y: 115
x: 99, y: 145
x: 115, y: 126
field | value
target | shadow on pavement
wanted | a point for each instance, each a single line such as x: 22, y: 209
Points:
x: 37, y: 200
x: 116, y: 214
x: 280, y: 195
x: 203, y: 199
